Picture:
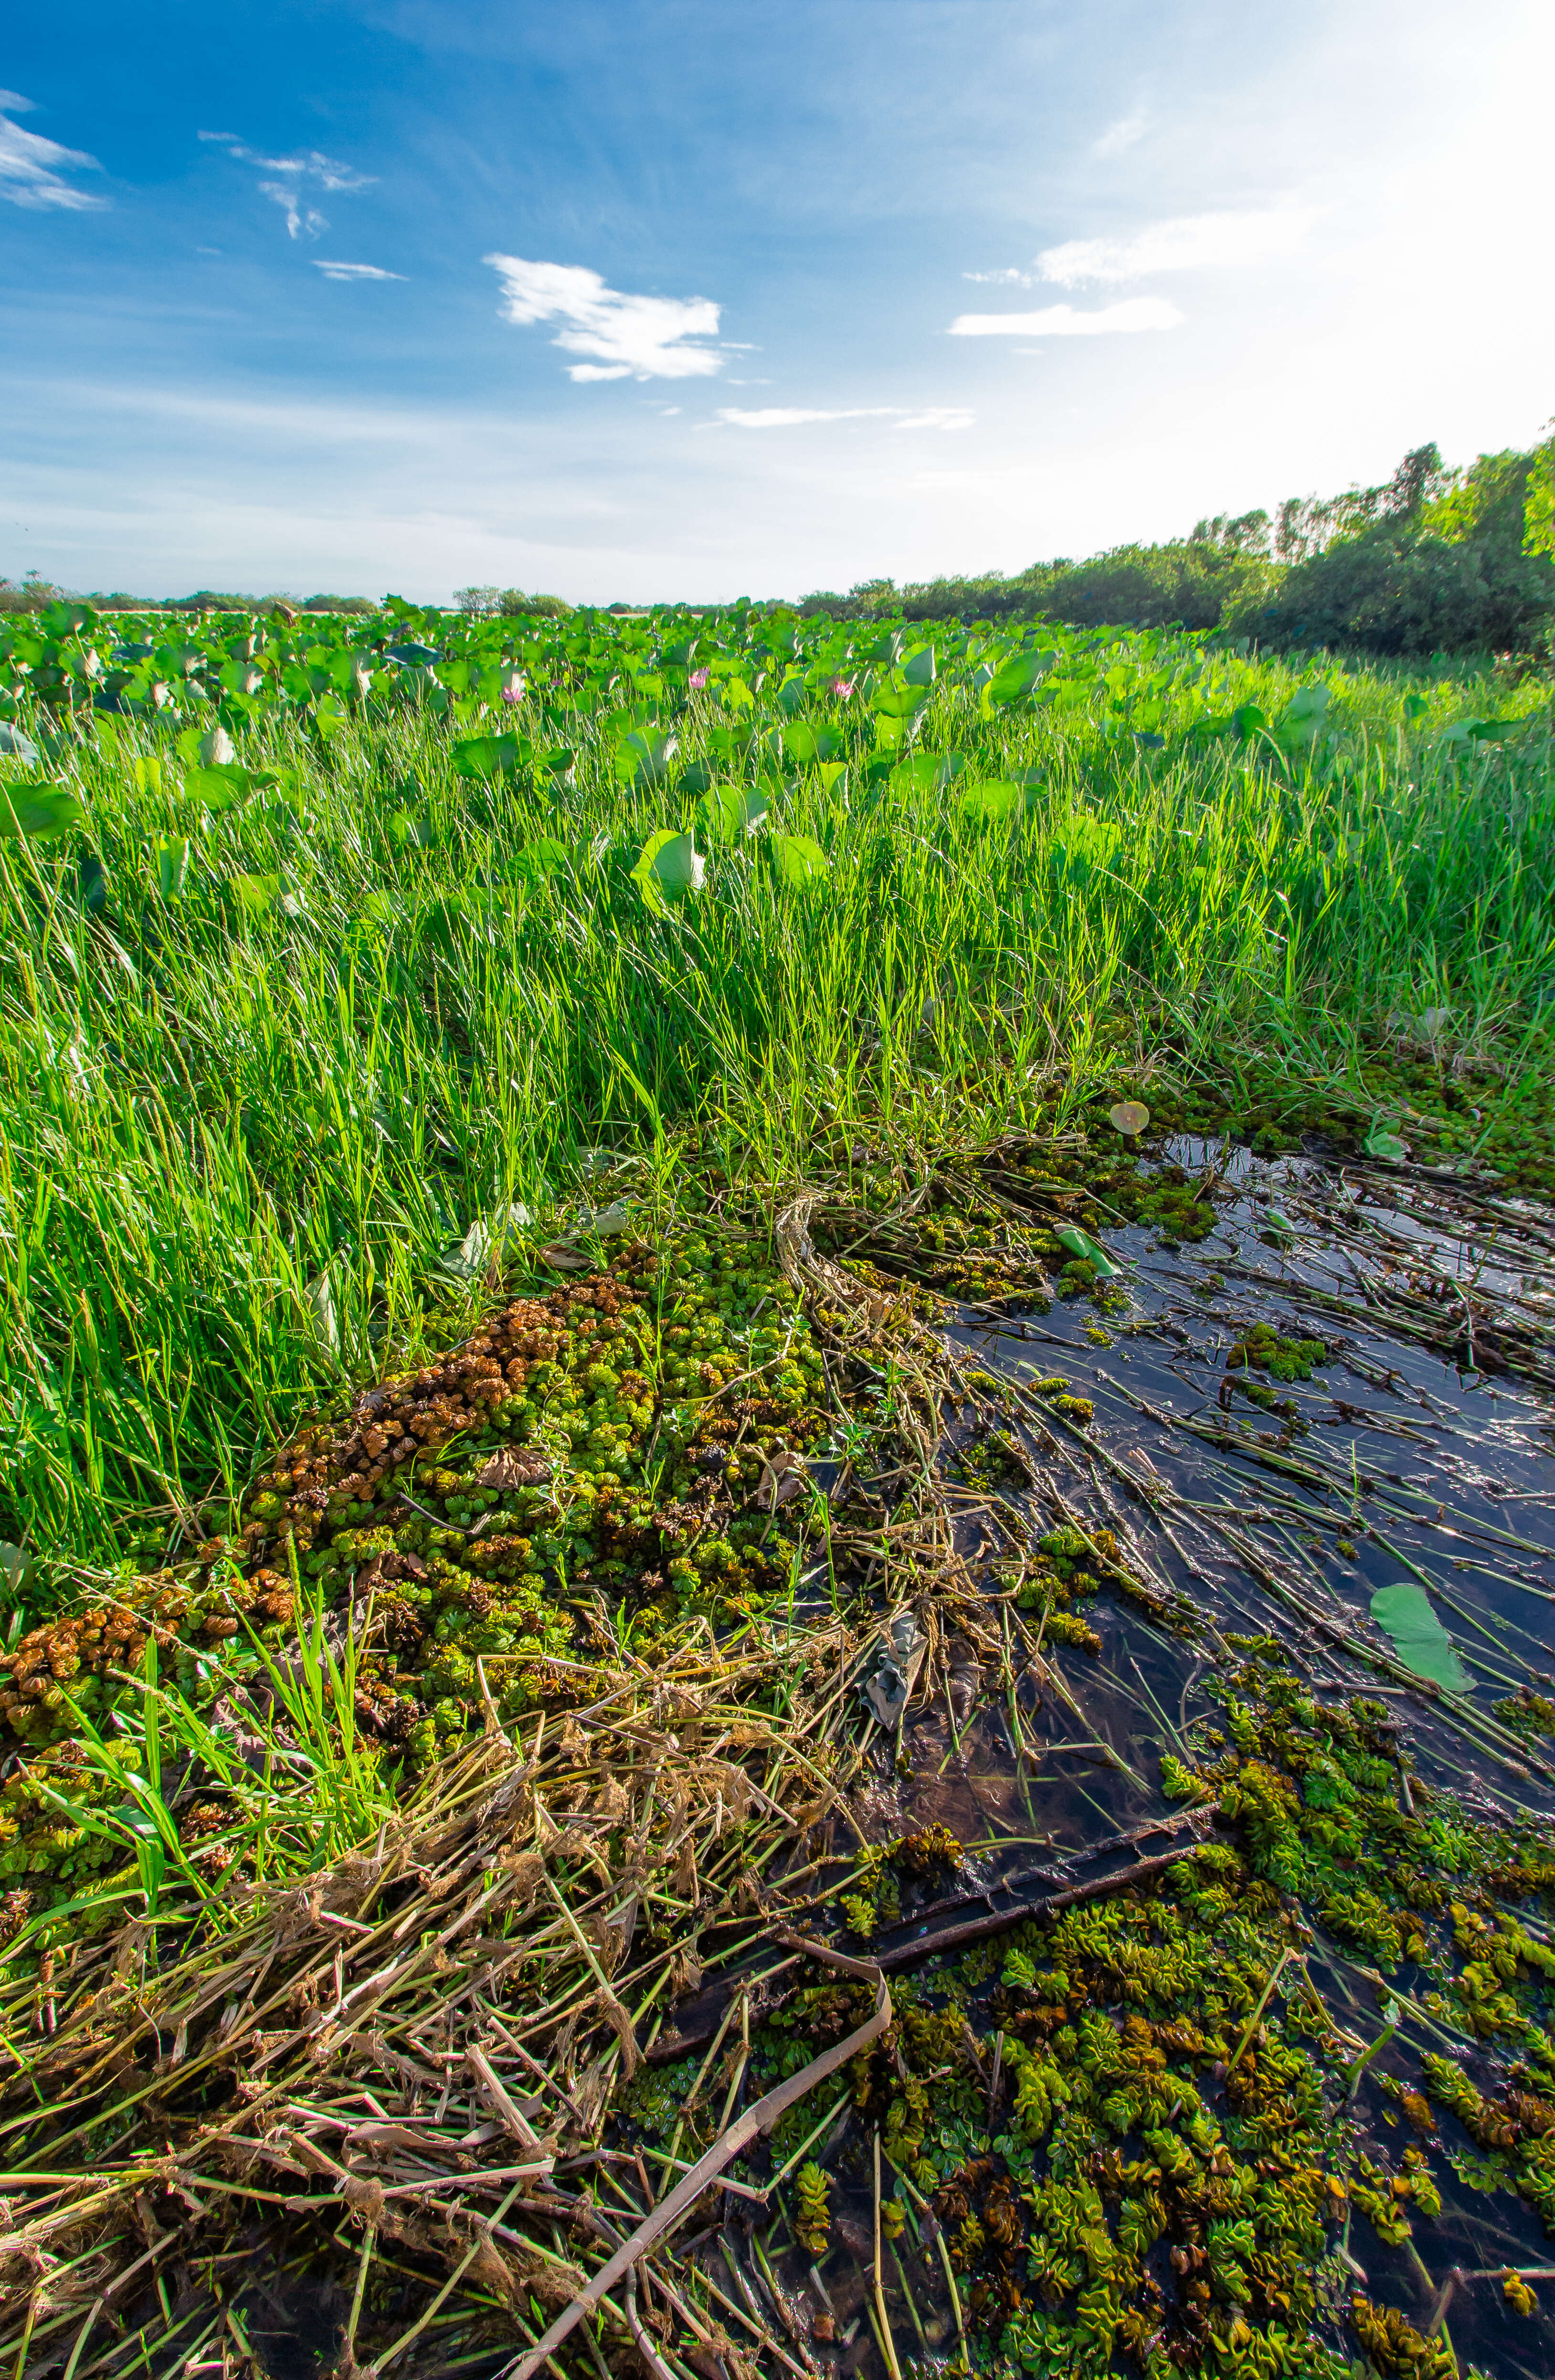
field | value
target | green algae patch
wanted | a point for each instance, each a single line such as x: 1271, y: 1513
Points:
x: 1283, y: 1359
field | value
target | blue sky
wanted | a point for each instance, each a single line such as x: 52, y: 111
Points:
x: 669, y: 298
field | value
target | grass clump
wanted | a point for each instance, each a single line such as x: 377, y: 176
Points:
x: 583, y: 1472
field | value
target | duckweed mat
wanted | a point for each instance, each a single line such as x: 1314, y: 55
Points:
x: 965, y: 1783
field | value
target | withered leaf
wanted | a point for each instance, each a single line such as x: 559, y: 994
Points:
x: 513, y: 1466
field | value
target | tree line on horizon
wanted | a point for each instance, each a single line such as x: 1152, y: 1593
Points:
x: 1433, y: 560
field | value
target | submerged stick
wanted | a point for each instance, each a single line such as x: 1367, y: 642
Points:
x: 999, y: 1921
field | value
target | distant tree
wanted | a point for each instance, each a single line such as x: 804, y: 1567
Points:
x: 1430, y: 562
x: 1538, y: 505
x: 207, y: 599
x: 1306, y: 526
x: 1398, y: 594
x: 478, y: 602
x: 1186, y: 583
x: 1241, y: 533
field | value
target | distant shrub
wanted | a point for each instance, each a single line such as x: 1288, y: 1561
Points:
x: 31, y: 595
x: 207, y: 599
x: 1188, y: 583
x: 1431, y: 562
x: 515, y: 601
x: 1428, y: 561
x: 1396, y: 593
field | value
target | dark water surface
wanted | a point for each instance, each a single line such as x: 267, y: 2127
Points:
x: 1397, y: 1461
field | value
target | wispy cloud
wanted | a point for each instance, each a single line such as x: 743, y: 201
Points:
x: 333, y: 271
x: 1065, y: 322
x: 308, y: 168
x: 1183, y: 244
x: 298, y: 218
x: 1186, y: 244
x: 32, y: 170
x: 626, y: 337
x: 1120, y: 136
x: 901, y: 416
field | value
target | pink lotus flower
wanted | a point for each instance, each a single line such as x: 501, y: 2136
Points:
x: 698, y: 679
x: 842, y: 688
x: 513, y: 694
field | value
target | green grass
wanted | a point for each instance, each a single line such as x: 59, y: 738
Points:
x: 251, y: 1106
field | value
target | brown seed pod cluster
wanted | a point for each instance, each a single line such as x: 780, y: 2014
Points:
x: 61, y: 1653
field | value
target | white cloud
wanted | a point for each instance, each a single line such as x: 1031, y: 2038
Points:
x: 1120, y: 135
x: 1064, y: 323
x: 309, y: 166
x: 312, y: 222
x: 33, y: 169
x: 628, y: 337
x: 1187, y: 244
x: 333, y: 271
x: 788, y: 417
x: 1007, y: 275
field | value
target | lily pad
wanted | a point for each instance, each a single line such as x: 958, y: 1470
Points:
x: 801, y: 859
x: 988, y: 803
x: 1384, y: 1141
x: 30, y: 807
x: 487, y: 757
x: 1080, y: 1243
x: 668, y: 868
x: 1405, y: 1615
x: 729, y: 813
x: 540, y: 859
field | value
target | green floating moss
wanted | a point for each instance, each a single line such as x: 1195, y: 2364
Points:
x: 1163, y: 2180
x: 1283, y: 1359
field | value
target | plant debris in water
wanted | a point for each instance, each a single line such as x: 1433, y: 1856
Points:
x: 686, y: 1760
